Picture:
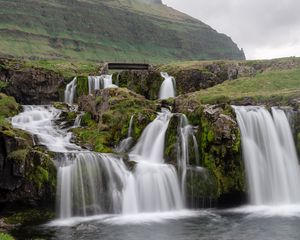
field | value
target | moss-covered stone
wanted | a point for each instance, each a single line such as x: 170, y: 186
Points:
x: 146, y: 83
x: 30, y: 216
x: 82, y: 86
x: 219, y: 142
x: 8, y: 106
x: 108, y: 112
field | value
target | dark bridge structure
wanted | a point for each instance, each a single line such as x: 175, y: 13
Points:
x: 126, y: 66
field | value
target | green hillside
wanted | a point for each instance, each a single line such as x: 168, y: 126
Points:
x: 107, y: 30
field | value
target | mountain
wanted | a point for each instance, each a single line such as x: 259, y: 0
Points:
x: 107, y: 30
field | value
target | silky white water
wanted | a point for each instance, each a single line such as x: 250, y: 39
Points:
x: 186, y: 133
x: 40, y: 122
x: 125, y: 144
x: 168, y: 87
x: 270, y: 157
x: 91, y: 183
x: 100, y: 82
x: 70, y: 91
x: 155, y: 187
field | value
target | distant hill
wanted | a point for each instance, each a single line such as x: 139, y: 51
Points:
x: 107, y: 30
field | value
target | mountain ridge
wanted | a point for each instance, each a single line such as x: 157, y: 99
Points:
x: 101, y: 30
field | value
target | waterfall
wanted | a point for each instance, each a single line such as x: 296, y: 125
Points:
x: 168, y: 87
x: 90, y: 184
x: 125, y: 144
x: 186, y: 133
x: 100, y: 82
x: 39, y: 121
x: 70, y: 91
x: 155, y: 182
x: 77, y: 121
x: 270, y: 157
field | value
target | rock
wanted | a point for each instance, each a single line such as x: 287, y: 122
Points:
x: 86, y: 227
x: 146, y: 83
x: 108, y: 112
x: 31, y: 85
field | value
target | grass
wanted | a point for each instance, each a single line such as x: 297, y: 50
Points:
x: 66, y: 68
x: 284, y: 84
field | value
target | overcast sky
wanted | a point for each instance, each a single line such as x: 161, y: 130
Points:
x: 264, y: 28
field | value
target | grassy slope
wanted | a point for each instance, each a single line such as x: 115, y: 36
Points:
x: 276, y: 83
x: 112, y: 30
x: 283, y: 83
x: 68, y: 69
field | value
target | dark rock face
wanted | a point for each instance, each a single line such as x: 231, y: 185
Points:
x: 32, y: 86
x: 146, y: 83
x: 27, y: 174
x: 192, y: 80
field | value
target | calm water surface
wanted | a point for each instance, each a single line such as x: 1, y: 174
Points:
x: 241, y: 224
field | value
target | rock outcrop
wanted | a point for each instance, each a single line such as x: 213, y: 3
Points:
x: 27, y: 173
x: 30, y: 85
x: 107, y: 115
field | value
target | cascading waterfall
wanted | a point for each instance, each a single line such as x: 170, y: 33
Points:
x: 100, y: 82
x: 186, y: 133
x: 77, y: 121
x: 39, y: 121
x: 91, y: 183
x: 168, y: 87
x: 270, y: 157
x: 70, y: 91
x: 126, y: 143
x: 88, y: 183
x: 154, y: 186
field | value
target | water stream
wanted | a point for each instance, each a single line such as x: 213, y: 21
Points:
x: 168, y: 87
x: 100, y: 82
x: 270, y: 156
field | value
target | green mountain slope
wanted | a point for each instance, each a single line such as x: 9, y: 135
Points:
x: 107, y: 30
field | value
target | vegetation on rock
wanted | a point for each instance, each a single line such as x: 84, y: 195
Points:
x: 108, y: 112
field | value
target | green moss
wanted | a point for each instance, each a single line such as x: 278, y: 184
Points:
x: 221, y: 157
x: 19, y: 155
x: 3, y: 86
x: 61, y: 106
x: 82, y: 86
x: 43, y: 170
x: 5, y: 236
x: 30, y: 216
x: 200, y: 184
x: 105, y: 129
x: 87, y: 120
x: 8, y: 106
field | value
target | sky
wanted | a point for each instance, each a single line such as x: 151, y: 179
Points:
x: 265, y: 29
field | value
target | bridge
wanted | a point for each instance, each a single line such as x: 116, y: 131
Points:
x: 126, y: 66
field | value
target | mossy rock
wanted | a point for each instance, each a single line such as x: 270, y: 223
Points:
x: 108, y: 112
x: 146, y: 83
x: 43, y: 172
x: 82, y: 86
x: 30, y: 216
x: 8, y: 106
x: 5, y: 236
x: 200, y: 186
